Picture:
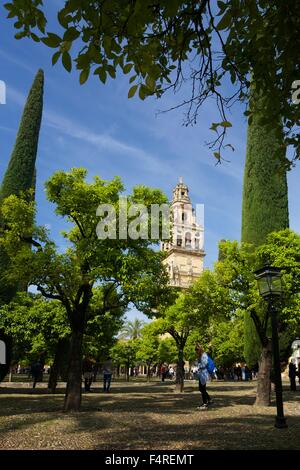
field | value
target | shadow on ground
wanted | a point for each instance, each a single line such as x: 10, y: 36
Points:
x: 147, y: 416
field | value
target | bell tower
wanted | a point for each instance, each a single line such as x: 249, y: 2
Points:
x: 185, y: 249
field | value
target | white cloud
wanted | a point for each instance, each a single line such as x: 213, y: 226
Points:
x: 105, y: 141
x: 17, y: 62
x: 99, y: 140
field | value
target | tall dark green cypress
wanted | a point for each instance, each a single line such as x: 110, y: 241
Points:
x: 265, y: 192
x: 265, y: 210
x: 20, y: 174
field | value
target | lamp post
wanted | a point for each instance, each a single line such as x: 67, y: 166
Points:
x: 270, y: 286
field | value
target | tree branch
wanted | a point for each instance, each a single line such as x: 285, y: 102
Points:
x: 48, y: 295
x: 259, y: 327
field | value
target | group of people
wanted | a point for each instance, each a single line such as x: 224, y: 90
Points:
x: 166, y: 372
x: 200, y: 371
x: 89, y: 372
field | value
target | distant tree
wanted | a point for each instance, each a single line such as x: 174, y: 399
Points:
x: 167, y: 351
x: 132, y: 329
x: 227, y: 342
x: 123, y: 353
x: 147, y: 348
x: 37, y: 327
x: 102, y: 330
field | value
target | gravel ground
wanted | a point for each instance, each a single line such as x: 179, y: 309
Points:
x: 146, y: 416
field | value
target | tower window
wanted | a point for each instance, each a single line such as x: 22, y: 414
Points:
x: 183, y: 216
x: 182, y: 193
x: 179, y: 242
x: 188, y: 240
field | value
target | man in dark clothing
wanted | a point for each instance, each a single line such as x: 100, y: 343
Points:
x: 87, y: 370
x: 292, y: 375
x: 36, y: 372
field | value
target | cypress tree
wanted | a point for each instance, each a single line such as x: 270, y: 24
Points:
x: 265, y: 193
x: 20, y: 174
x: 265, y: 210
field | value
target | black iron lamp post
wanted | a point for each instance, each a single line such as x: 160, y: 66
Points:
x: 270, y: 286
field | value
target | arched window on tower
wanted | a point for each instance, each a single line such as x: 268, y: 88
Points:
x: 179, y: 241
x: 188, y: 240
x: 196, y: 243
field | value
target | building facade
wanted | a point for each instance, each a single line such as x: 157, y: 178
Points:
x: 185, y: 249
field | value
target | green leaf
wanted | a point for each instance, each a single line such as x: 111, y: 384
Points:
x: 35, y: 37
x: 214, y: 127
x: 143, y: 92
x: 84, y: 76
x: 55, y: 57
x: 132, y: 78
x: 101, y: 72
x: 71, y: 34
x: 20, y: 35
x: 107, y: 44
x: 150, y: 82
x: 225, y: 21
x: 64, y: 19
x: 52, y: 40
x: 111, y: 71
x: 67, y: 62
x: 132, y: 91
x: 225, y: 124
x: 127, y: 68
x: 217, y: 155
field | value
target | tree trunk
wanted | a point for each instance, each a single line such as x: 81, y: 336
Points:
x: 127, y: 372
x: 73, y: 392
x: 180, y: 372
x: 57, y: 366
x: 263, y: 396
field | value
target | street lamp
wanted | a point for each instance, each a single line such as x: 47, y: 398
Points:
x: 270, y: 286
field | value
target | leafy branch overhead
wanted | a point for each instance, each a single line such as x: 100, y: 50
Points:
x: 163, y: 45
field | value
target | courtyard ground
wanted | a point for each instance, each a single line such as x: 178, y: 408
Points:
x: 139, y: 416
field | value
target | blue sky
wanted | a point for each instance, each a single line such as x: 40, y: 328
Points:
x: 97, y: 127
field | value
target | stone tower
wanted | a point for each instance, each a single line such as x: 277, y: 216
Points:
x: 186, y: 247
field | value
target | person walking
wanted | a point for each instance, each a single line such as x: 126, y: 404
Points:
x: 203, y: 376
x: 107, y: 375
x: 163, y: 372
x: 36, y: 372
x: 292, y: 375
x: 87, y: 370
